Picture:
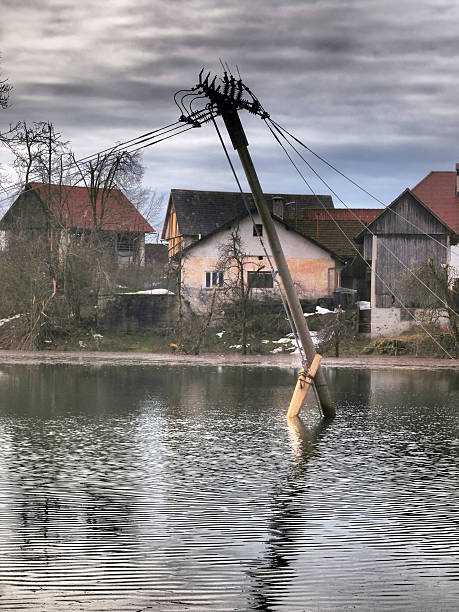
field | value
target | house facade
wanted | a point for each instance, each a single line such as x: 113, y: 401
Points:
x: 396, y: 243
x: 314, y: 268
x: 60, y: 214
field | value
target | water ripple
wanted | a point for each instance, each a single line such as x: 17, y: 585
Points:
x: 156, y: 488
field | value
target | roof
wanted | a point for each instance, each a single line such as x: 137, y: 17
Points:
x: 337, y: 228
x: 392, y: 205
x: 288, y: 225
x: 438, y: 192
x: 72, y: 207
x: 203, y: 212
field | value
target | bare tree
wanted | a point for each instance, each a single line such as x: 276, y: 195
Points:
x: 435, y: 290
x: 339, y: 327
x: 39, y: 154
x: 5, y: 90
x: 235, y: 265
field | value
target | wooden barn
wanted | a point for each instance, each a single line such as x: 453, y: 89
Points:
x: 401, y: 238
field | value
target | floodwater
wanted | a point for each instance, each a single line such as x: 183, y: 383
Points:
x: 184, y: 488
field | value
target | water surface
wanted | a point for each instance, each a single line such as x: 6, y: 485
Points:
x: 184, y: 488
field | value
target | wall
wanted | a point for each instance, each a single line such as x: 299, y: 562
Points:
x: 129, y: 313
x: 387, y: 321
x: 309, y: 264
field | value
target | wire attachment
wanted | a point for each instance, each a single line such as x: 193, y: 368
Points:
x: 224, y: 95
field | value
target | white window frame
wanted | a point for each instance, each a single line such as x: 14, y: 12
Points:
x: 213, y: 277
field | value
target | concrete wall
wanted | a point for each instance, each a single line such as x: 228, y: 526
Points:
x: 454, y: 261
x: 130, y: 313
x: 388, y: 322
x: 309, y: 264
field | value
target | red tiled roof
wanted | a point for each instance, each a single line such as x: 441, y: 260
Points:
x: 438, y: 192
x: 72, y: 207
x: 336, y: 230
x: 341, y: 214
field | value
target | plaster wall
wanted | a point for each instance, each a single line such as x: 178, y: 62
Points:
x: 309, y: 264
x: 387, y: 321
x: 454, y: 261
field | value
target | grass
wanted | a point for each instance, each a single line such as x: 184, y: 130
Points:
x: 138, y: 342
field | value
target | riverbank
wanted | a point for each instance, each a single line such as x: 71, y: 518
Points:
x: 277, y: 360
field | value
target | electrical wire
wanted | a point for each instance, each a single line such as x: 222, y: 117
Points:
x: 364, y: 226
x: 116, y: 148
x: 274, y: 272
x: 356, y: 249
x: 151, y: 140
x: 322, y: 159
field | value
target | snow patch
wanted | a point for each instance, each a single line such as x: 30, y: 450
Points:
x: 220, y: 334
x: 319, y: 310
x: 3, y: 321
x: 149, y: 292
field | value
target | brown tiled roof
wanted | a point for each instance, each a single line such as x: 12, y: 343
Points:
x: 72, y: 207
x: 338, y: 232
x: 438, y: 192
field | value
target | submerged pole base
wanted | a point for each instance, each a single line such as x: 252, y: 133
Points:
x: 305, y: 379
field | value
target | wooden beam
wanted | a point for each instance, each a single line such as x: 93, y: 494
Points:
x: 305, y: 380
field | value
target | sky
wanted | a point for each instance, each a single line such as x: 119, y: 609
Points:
x: 370, y: 85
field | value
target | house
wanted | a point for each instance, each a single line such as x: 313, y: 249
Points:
x: 59, y: 214
x: 191, y: 215
x: 398, y: 240
x: 336, y: 229
x: 439, y: 191
x: 198, y: 223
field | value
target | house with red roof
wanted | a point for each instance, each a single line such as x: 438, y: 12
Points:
x: 62, y: 213
x: 439, y: 191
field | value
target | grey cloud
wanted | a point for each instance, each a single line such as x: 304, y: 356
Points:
x: 372, y: 84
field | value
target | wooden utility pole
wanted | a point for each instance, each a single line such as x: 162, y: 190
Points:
x: 226, y: 103
x: 237, y: 135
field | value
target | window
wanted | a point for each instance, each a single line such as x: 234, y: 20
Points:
x: 407, y: 314
x: 257, y: 229
x: 125, y: 241
x: 214, y: 277
x: 260, y: 280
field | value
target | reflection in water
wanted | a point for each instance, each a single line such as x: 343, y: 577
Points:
x: 175, y: 487
x: 273, y: 571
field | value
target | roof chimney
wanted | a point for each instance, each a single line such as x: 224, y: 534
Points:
x: 278, y: 206
x: 457, y: 180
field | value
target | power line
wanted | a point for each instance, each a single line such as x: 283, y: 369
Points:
x: 322, y: 159
x: 268, y: 257
x: 365, y: 226
x: 151, y: 140
x: 355, y: 247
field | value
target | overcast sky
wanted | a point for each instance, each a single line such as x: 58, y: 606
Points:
x: 372, y: 85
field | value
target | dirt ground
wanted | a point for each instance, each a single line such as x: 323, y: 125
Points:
x: 277, y: 360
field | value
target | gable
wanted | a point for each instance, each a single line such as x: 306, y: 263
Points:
x: 406, y: 215
x: 294, y: 244
x: 27, y: 212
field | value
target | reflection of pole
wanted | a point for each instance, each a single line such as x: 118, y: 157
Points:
x: 236, y: 132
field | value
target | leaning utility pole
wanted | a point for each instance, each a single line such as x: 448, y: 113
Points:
x: 226, y: 102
